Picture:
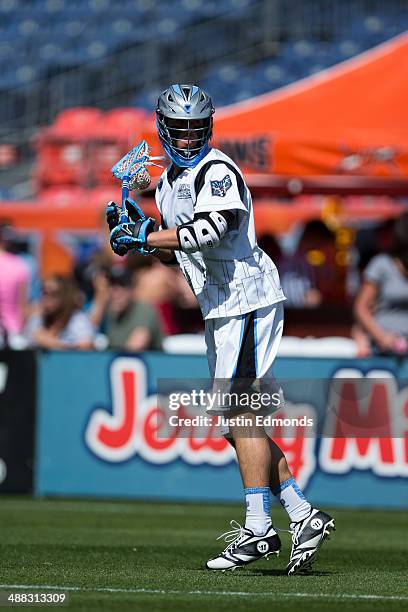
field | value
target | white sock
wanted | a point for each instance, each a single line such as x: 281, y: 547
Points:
x: 293, y: 500
x: 258, y: 519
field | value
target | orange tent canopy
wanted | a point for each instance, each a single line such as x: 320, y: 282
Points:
x: 349, y: 119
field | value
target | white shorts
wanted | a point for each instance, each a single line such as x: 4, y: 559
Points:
x: 244, y: 349
x: 244, y: 346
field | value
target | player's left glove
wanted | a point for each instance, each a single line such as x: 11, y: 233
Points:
x: 127, y: 237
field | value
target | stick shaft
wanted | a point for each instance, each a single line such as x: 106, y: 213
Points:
x: 124, y: 217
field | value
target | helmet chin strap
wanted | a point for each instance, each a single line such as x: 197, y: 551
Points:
x: 182, y: 162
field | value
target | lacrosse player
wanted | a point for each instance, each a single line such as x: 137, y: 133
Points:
x: 207, y: 228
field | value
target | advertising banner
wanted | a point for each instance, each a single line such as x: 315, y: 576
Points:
x: 103, y: 429
x: 17, y: 413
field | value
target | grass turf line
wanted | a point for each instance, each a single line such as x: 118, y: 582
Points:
x: 154, y: 555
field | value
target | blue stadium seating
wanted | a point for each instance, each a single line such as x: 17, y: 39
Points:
x: 57, y: 34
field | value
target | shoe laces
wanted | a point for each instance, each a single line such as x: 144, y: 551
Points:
x: 296, y: 528
x: 294, y: 531
x: 234, y: 536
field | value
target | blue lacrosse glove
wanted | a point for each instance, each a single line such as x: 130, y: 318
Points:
x: 113, y: 212
x: 127, y: 237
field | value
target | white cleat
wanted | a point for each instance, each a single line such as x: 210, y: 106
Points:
x: 244, y: 547
x: 307, y: 537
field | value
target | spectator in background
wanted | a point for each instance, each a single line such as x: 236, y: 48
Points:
x: 100, y: 298
x: 372, y: 240
x: 86, y: 269
x: 129, y: 324
x: 20, y: 246
x: 296, y: 274
x: 166, y: 290
x: 298, y: 282
x: 14, y: 282
x: 381, y: 306
x: 316, y: 251
x: 59, y: 324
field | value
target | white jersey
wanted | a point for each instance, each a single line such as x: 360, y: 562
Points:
x: 236, y: 277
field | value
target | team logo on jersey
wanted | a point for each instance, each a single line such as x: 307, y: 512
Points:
x: 184, y: 192
x: 220, y: 188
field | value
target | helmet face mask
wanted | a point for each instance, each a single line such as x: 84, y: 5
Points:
x: 184, y: 123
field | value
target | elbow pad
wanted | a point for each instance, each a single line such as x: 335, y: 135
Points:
x: 204, y: 232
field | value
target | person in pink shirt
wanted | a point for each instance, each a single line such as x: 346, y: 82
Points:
x: 14, y: 280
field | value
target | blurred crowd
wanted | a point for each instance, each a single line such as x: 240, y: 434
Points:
x: 106, y: 302
x: 134, y: 304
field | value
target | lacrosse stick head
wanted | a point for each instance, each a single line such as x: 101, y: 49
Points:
x: 133, y: 166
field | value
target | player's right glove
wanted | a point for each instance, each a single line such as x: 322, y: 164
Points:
x: 127, y: 237
x: 113, y: 213
x: 119, y: 240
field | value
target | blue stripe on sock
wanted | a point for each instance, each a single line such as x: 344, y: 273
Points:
x: 298, y: 491
x: 266, y: 495
x: 253, y: 490
x: 283, y: 485
x: 291, y: 482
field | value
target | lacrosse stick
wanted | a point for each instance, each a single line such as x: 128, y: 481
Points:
x: 132, y: 171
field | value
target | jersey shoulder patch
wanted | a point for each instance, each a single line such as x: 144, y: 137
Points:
x: 220, y: 188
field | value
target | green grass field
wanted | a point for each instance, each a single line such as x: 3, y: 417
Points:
x: 151, y: 556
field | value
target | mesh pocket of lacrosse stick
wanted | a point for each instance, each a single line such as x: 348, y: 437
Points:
x: 133, y: 166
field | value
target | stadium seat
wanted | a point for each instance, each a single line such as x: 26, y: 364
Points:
x: 123, y: 123
x: 348, y: 48
x: 373, y: 24
x: 26, y: 74
x: 74, y: 28
x: 98, y: 196
x: 28, y: 27
x: 228, y: 73
x: 61, y: 161
x: 273, y: 73
x: 78, y: 123
x: 54, y: 6
x: 120, y: 131
x: 63, y: 150
x: 49, y: 52
x: 97, y: 6
x: 62, y: 197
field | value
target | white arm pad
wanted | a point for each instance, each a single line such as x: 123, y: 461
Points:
x: 202, y: 233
